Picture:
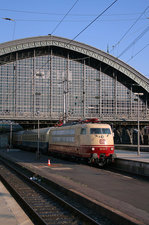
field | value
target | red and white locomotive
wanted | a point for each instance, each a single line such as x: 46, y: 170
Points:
x: 88, y: 139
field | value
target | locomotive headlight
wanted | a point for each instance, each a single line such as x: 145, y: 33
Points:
x: 112, y: 149
x: 93, y: 149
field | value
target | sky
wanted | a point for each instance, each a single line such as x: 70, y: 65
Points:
x: 119, y: 27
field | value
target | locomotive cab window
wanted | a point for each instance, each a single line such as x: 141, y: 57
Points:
x: 83, y: 130
x: 100, y: 131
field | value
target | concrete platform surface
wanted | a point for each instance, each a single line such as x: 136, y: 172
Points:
x: 125, y: 194
x: 132, y: 155
x: 130, y: 161
x: 10, y: 212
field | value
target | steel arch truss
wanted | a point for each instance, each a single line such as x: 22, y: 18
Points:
x: 119, y: 76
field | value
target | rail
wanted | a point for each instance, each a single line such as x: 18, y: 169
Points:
x: 42, y: 206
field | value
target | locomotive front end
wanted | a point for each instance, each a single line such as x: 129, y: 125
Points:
x: 102, y: 144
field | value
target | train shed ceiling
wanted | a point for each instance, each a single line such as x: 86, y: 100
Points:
x: 8, y: 48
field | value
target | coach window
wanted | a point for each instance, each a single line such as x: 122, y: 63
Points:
x: 83, y: 130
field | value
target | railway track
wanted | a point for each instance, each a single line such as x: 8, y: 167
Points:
x: 41, y: 205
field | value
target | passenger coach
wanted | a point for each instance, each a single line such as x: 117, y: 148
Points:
x: 28, y: 140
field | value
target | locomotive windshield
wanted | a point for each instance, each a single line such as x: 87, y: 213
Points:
x: 100, y: 131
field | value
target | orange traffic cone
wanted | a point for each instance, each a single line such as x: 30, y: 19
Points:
x: 49, y: 163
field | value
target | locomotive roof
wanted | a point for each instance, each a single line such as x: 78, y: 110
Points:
x: 81, y: 125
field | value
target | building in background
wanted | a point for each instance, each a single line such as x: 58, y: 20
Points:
x: 49, y: 78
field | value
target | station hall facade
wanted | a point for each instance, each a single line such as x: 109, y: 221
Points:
x: 50, y: 78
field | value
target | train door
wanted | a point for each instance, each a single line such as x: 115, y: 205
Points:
x: 77, y: 140
x: 83, y: 135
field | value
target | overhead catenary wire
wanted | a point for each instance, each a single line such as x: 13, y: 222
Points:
x: 74, y: 14
x: 124, y: 35
x: 93, y: 21
x: 71, y: 20
x: 133, y: 42
x: 64, y: 17
x: 137, y: 53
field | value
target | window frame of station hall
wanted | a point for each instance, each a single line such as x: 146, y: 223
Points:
x: 47, y: 77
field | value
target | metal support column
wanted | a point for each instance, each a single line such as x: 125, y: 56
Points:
x: 67, y: 89
x: 115, y: 94
x: 138, y: 127
x: 84, y: 88
x: 146, y: 106
x: 10, y: 135
x: 100, y: 93
x: 138, y: 94
x: 50, y: 97
x: 15, y: 86
x: 38, y: 139
x: 33, y: 84
x: 131, y: 102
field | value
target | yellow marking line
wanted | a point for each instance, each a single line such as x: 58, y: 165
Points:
x: 54, y: 167
x: 60, y: 168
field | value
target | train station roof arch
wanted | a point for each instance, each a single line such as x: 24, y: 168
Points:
x: 43, y: 41
x: 34, y: 74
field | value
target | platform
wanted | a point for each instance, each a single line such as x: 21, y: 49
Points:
x: 133, y: 155
x: 130, y: 161
x: 125, y: 196
x: 10, y: 212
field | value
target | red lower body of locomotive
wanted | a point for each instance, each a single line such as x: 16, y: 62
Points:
x: 97, y: 154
